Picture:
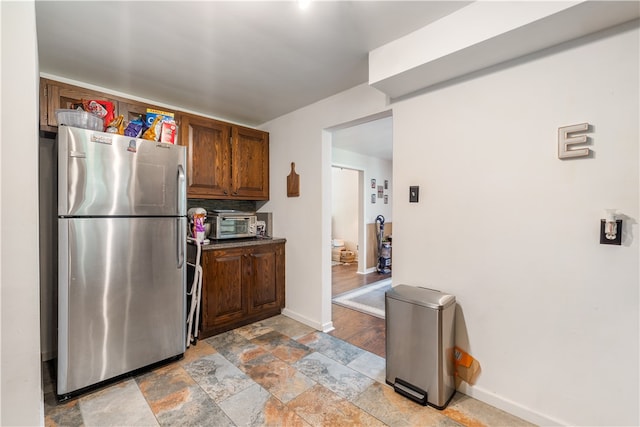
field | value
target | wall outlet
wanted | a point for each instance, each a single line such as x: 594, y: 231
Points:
x: 603, y: 237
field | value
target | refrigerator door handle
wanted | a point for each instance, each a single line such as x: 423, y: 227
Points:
x: 182, y: 197
x: 182, y: 241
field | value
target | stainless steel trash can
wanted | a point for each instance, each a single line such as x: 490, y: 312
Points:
x: 419, y: 344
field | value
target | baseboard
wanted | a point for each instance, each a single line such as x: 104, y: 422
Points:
x: 327, y: 327
x: 510, y: 406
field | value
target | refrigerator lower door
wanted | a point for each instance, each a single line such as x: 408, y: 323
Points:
x: 121, y: 296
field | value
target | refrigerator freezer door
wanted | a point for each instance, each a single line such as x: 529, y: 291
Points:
x: 103, y: 174
x: 122, y: 301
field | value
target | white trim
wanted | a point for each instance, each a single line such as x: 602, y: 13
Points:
x: 326, y: 327
x: 363, y: 289
x: 346, y: 298
x: 362, y: 307
x: 510, y: 406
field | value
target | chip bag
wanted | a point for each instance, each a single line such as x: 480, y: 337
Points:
x: 135, y: 128
x: 103, y: 109
x: 116, y: 126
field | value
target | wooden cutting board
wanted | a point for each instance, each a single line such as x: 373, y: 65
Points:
x: 293, y: 182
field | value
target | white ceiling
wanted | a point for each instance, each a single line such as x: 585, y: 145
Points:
x: 374, y: 138
x: 240, y: 61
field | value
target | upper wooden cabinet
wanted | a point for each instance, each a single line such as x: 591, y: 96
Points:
x: 131, y: 110
x: 225, y: 161
x: 208, y: 156
x: 55, y: 95
x: 249, y: 163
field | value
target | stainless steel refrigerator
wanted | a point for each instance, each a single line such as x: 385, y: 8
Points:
x: 121, y: 256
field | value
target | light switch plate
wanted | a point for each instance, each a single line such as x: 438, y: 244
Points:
x: 414, y: 192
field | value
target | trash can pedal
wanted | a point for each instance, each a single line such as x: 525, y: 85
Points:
x: 410, y: 391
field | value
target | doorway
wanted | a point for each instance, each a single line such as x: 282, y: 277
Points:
x: 362, y: 148
x: 347, y: 218
x: 365, y: 148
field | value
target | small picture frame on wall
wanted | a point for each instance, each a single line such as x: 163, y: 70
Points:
x: 386, y: 184
x: 386, y: 199
x: 373, y: 198
x: 380, y: 191
x: 373, y: 183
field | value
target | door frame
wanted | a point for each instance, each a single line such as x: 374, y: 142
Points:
x: 327, y: 209
x: 362, y: 247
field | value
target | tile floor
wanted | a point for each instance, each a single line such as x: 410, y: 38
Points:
x: 275, y: 372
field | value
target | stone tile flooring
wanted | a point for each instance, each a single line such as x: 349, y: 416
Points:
x: 277, y: 372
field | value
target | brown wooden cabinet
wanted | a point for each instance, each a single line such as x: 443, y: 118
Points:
x: 131, y: 110
x: 225, y: 161
x: 249, y: 164
x: 55, y: 95
x: 208, y: 156
x: 241, y: 286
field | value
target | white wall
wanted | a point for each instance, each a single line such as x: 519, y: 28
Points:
x: 344, y: 202
x: 502, y: 224
x: 305, y: 221
x: 20, y: 383
x: 374, y: 168
x: 548, y: 310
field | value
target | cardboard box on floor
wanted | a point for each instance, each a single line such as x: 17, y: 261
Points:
x: 347, y: 256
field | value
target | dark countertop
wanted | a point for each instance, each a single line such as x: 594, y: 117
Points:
x: 239, y: 243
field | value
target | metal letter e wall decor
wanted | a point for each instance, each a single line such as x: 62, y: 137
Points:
x: 566, y: 139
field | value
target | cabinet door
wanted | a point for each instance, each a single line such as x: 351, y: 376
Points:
x: 208, y: 160
x: 223, y: 297
x: 250, y: 164
x: 132, y: 110
x: 60, y: 95
x: 265, y: 277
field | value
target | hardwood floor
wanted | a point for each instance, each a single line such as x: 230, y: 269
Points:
x: 359, y: 329
x: 345, y: 277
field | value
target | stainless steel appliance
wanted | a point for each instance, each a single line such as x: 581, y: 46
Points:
x: 420, y: 343
x: 232, y: 224
x: 121, y: 255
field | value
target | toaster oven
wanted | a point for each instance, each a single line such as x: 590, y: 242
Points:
x: 232, y: 224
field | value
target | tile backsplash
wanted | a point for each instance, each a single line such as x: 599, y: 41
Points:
x: 239, y: 205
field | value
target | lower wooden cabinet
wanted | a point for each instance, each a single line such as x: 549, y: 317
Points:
x: 241, y: 285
